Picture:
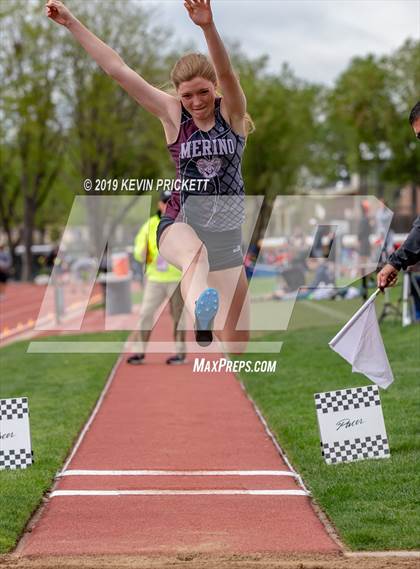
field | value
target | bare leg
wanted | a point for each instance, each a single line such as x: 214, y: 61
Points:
x: 154, y: 295
x: 177, y: 308
x: 181, y: 247
x: 234, y: 303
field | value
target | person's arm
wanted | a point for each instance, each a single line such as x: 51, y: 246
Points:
x: 152, y: 99
x: 408, y: 254
x: 140, y: 243
x: 233, y: 95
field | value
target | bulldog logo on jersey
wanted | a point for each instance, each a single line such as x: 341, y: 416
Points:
x: 209, y: 168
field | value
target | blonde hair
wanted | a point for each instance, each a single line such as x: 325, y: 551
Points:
x: 198, y: 65
x: 190, y: 66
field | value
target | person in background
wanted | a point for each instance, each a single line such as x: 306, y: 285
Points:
x: 162, y: 282
x: 5, y: 269
x: 383, y: 217
x: 363, y: 236
x: 251, y: 260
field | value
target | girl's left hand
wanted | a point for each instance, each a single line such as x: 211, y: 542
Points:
x: 199, y: 12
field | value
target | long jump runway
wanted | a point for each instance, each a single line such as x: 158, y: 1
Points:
x: 175, y: 461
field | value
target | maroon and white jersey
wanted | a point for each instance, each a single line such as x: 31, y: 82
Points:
x: 213, y: 156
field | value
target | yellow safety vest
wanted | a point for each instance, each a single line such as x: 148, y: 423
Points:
x: 146, y: 250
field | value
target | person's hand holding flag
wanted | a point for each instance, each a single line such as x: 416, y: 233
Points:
x: 388, y: 276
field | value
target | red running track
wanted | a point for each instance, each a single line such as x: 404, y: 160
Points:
x: 20, y: 307
x: 178, y: 422
x: 20, y: 303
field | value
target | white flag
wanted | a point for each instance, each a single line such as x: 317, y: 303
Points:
x: 360, y: 343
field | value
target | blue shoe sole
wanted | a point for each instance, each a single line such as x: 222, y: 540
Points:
x: 206, y: 308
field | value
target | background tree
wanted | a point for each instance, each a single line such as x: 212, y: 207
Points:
x: 403, y: 80
x: 111, y: 136
x: 283, y: 112
x: 11, y: 210
x: 29, y: 73
x: 359, y: 109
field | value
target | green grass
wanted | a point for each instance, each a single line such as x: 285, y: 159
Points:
x: 314, y: 314
x: 374, y: 504
x: 62, y: 390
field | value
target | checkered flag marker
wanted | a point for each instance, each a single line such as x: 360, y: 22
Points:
x: 15, y: 436
x: 351, y: 424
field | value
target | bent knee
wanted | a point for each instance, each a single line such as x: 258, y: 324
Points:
x: 195, y: 258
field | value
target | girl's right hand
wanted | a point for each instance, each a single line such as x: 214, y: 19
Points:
x: 56, y: 10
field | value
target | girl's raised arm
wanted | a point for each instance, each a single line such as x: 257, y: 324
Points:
x: 154, y: 100
x: 233, y: 95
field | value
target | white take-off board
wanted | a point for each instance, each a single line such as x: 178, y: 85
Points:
x: 15, y: 436
x: 351, y: 424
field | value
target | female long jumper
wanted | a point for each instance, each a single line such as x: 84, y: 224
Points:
x: 201, y: 231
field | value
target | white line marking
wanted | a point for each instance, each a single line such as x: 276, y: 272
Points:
x: 382, y: 554
x: 177, y: 493
x: 176, y: 473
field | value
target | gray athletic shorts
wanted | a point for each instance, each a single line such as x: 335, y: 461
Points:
x: 224, y: 248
